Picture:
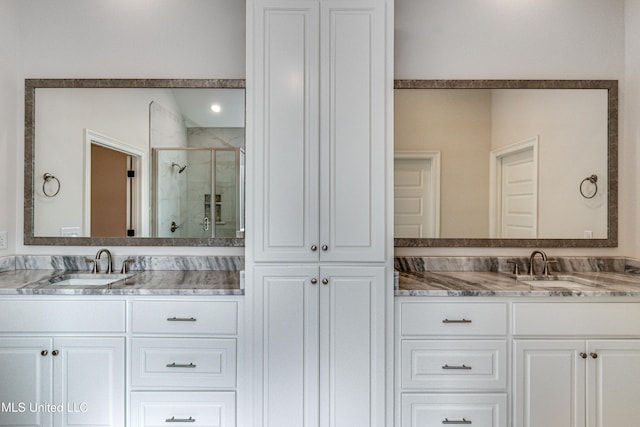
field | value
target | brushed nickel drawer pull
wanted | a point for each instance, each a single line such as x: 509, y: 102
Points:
x: 178, y: 365
x: 462, y: 421
x: 181, y: 319
x: 456, y: 321
x: 465, y: 367
x: 180, y: 420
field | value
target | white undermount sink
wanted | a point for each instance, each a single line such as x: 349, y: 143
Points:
x: 86, y: 279
x: 558, y: 282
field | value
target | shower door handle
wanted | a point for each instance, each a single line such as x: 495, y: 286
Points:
x: 205, y: 224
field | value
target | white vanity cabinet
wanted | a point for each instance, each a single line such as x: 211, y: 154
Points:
x: 576, y: 364
x: 319, y: 345
x: 317, y: 114
x: 451, y: 363
x: 184, y: 361
x: 62, y: 370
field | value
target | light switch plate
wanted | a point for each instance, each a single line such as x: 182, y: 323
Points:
x: 4, y: 240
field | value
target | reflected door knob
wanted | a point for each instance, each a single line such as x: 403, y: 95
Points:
x: 44, y: 352
x: 325, y: 281
x: 325, y: 247
x: 314, y: 248
x: 314, y: 281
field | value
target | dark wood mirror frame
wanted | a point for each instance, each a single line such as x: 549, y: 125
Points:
x: 612, y: 162
x: 29, y: 132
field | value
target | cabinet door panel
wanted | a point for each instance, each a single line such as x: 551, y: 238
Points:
x: 352, y: 135
x: 287, y: 338
x: 613, y: 383
x: 25, y: 380
x: 352, y: 331
x: 89, y: 380
x: 286, y: 130
x: 549, y: 383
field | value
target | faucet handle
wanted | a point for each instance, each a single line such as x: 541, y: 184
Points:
x: 94, y: 269
x: 545, y: 271
x: 125, y: 264
x: 516, y: 266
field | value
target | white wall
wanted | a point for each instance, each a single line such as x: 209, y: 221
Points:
x: 124, y: 39
x: 631, y: 128
x: 514, y: 39
x: 8, y: 120
x: 521, y: 39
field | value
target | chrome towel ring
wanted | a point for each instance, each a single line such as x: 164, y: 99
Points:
x: 47, y: 178
x: 592, y: 179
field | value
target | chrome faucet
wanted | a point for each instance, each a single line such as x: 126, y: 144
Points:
x: 532, y: 268
x: 98, y: 256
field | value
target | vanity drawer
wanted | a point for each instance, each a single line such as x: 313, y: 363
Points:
x: 183, y: 362
x: 185, y: 317
x: 456, y: 319
x: 436, y: 410
x: 211, y: 409
x: 454, y: 365
x: 577, y: 319
x: 62, y: 316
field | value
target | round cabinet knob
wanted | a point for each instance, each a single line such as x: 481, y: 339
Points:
x: 314, y: 281
x: 44, y: 353
x: 55, y: 352
x: 325, y: 281
x: 325, y: 248
x: 583, y: 355
x: 314, y: 248
x: 593, y: 355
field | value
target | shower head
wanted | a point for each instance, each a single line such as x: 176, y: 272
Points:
x: 180, y: 168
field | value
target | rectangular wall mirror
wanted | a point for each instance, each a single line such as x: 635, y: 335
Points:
x: 511, y: 163
x: 134, y: 162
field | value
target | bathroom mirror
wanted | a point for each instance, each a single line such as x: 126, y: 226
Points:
x: 140, y: 162
x: 505, y: 163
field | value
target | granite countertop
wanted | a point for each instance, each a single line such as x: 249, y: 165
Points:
x: 452, y: 284
x: 153, y: 282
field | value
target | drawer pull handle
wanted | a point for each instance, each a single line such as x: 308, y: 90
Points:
x: 456, y: 321
x: 462, y: 421
x: 465, y: 367
x: 181, y: 319
x: 178, y: 365
x: 180, y: 420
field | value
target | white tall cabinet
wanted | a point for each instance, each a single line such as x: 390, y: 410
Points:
x: 319, y: 216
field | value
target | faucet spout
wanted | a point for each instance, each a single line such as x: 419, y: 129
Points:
x: 532, y: 268
x: 109, y: 261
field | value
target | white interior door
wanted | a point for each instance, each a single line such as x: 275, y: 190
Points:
x: 515, y: 191
x: 417, y: 195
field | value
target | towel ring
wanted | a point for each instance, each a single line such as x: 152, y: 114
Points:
x: 592, y: 179
x: 48, y: 177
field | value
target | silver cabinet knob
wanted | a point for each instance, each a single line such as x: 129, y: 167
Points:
x: 593, y: 355
x: 44, y: 352
x: 583, y: 355
x: 325, y: 281
x: 325, y: 248
x: 314, y: 248
x: 314, y: 281
x: 55, y: 352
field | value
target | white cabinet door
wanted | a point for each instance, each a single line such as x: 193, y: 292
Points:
x: 352, y: 347
x: 352, y: 130
x: 89, y: 381
x: 550, y: 387
x: 613, y: 383
x: 285, y: 134
x: 286, y: 319
x: 320, y: 333
x: 25, y: 373
x: 318, y: 109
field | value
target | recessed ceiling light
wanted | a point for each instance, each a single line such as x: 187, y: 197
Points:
x: 216, y: 108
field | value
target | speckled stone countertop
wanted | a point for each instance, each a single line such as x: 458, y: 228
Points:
x: 495, y: 284
x: 155, y: 282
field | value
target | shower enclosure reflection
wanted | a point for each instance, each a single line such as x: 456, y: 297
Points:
x: 198, y: 192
